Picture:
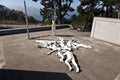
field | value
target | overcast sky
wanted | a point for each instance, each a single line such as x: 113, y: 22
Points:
x: 33, y: 8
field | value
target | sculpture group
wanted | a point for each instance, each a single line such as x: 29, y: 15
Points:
x: 64, y: 50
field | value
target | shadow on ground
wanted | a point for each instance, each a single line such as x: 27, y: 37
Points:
x: 37, y: 37
x: 65, y: 35
x: 9, y: 74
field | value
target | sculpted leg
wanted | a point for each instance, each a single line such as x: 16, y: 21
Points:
x: 61, y: 56
x: 68, y: 64
x: 75, y: 64
x: 50, y: 52
x: 85, y: 46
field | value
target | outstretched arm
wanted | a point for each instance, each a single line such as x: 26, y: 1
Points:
x: 50, y: 52
x: 82, y: 45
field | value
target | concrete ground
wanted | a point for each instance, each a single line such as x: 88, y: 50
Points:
x: 17, y: 53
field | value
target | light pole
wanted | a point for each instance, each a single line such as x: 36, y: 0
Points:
x: 26, y: 20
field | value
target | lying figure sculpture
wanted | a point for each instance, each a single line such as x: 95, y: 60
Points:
x: 68, y: 54
x: 64, y: 50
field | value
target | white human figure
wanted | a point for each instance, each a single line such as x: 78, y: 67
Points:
x: 41, y: 43
x: 75, y: 45
x: 53, y: 46
x: 61, y: 42
x: 63, y: 49
x: 60, y: 54
x: 71, y: 44
x: 70, y: 58
x: 81, y: 45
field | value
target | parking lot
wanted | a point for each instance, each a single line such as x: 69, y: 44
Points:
x: 20, y: 55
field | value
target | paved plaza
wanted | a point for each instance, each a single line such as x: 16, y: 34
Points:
x: 18, y: 54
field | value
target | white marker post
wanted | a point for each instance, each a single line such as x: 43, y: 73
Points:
x: 53, y: 28
x: 26, y: 20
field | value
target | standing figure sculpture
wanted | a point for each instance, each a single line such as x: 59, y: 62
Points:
x: 53, y: 28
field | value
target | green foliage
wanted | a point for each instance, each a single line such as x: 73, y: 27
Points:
x: 7, y: 14
x: 13, y: 16
x: 31, y: 19
x: 66, y: 21
x: 48, y: 22
x: 91, y: 8
x: 61, y: 7
x: 78, y: 23
x: 73, y: 17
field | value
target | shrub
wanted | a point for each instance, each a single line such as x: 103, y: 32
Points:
x: 78, y: 23
x: 48, y: 22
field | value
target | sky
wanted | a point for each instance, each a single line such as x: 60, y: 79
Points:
x: 33, y: 8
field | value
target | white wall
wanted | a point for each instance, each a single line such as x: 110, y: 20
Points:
x: 107, y: 29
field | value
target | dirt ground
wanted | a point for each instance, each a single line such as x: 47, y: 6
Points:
x: 20, y: 56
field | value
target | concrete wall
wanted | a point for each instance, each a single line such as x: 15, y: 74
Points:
x: 106, y: 29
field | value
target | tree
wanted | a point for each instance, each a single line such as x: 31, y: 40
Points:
x: 90, y: 8
x: 73, y: 17
x: 20, y: 16
x: 4, y: 12
x: 117, y: 5
x: 62, y: 7
x: 14, y: 15
x: 108, y: 7
x: 87, y: 10
x: 31, y: 19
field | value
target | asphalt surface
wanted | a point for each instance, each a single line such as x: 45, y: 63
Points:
x: 15, y: 26
x: 24, y: 61
x: 3, y: 26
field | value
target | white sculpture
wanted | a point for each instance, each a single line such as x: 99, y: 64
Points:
x: 53, y: 28
x: 70, y: 58
x: 64, y: 50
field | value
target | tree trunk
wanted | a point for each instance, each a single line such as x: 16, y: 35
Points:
x: 107, y: 11
x: 118, y: 14
x: 60, y: 20
x: 59, y: 12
